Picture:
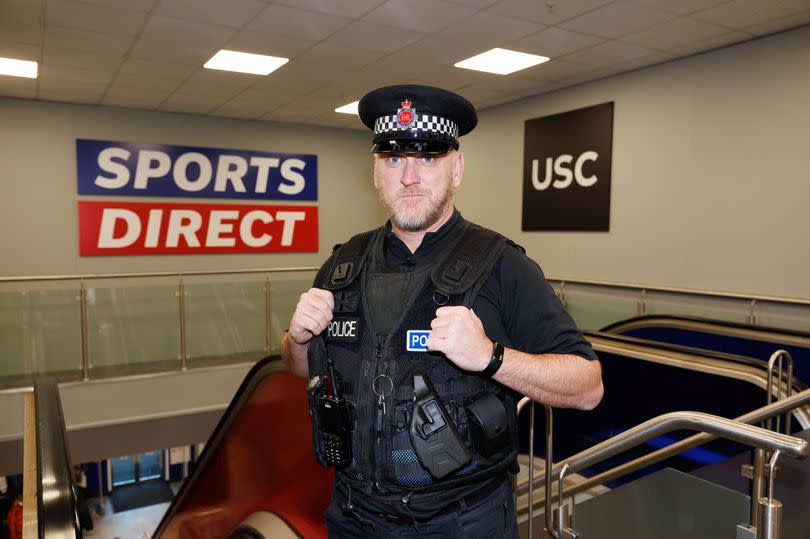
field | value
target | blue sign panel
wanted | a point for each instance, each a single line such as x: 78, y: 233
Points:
x: 126, y: 169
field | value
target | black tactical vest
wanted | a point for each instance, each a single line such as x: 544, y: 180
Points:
x: 368, y: 364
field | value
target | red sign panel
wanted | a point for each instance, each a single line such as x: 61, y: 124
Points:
x: 141, y: 228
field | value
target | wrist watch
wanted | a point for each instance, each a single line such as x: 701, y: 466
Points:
x: 496, y: 361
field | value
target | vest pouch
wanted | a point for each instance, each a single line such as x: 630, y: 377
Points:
x: 489, y: 424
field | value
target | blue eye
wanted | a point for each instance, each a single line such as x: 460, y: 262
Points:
x: 394, y: 159
x: 428, y: 159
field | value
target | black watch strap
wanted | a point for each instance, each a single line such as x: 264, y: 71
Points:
x: 496, y: 361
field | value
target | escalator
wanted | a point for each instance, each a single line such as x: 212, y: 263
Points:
x: 258, y: 461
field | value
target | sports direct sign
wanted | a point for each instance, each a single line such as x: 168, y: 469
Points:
x: 119, y: 227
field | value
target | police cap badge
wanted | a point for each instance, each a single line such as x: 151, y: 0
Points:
x: 416, y: 119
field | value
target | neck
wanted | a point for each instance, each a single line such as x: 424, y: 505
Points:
x: 413, y: 239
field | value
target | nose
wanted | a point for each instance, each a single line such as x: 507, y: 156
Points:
x: 410, y: 174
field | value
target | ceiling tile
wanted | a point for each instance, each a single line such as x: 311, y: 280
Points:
x: 71, y: 91
x: 170, y: 30
x: 190, y: 103
x: 21, y: 20
x: 431, y: 51
x: 59, y: 38
x: 474, y: 3
x: 483, y: 31
x: 261, y: 99
x: 617, y: 20
x: 18, y: 87
x: 608, y: 53
x: 98, y: 60
x: 94, y: 17
x: 406, y: 14
x: 146, y: 70
x: 711, y: 43
x: 20, y: 51
x: 137, y: 5
x: 681, y: 7
x: 268, y: 43
x: 554, y: 42
x: 297, y: 23
x: 367, y: 36
x: 54, y: 73
x: 132, y: 101
x: 675, y: 33
x: 739, y: 14
x: 779, y: 24
x: 345, y: 8
x: 219, y: 91
x: 234, y: 13
x: 545, y: 12
x: 129, y: 88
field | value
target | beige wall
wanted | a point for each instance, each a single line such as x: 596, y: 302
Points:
x: 710, y: 181
x: 39, y: 221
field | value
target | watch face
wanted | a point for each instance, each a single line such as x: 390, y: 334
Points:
x: 314, y: 381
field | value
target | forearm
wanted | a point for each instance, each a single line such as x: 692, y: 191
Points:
x: 295, y: 355
x: 563, y: 381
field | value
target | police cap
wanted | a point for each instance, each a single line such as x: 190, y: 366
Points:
x: 416, y: 119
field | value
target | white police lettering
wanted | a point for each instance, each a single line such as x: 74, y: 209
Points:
x: 562, y: 168
x: 193, y: 171
x: 121, y: 228
x: 416, y: 340
x: 342, y: 329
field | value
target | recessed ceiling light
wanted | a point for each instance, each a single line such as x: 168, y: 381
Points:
x: 18, y: 68
x: 351, y: 108
x: 501, y: 61
x: 245, y: 62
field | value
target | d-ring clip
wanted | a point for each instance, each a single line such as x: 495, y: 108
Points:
x: 390, y: 384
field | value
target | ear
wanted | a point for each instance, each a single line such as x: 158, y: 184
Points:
x: 458, y: 169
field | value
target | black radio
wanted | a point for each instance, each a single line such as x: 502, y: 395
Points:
x: 336, y: 433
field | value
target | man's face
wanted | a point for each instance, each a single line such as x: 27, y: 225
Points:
x: 417, y: 190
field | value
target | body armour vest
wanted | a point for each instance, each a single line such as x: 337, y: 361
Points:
x: 375, y: 372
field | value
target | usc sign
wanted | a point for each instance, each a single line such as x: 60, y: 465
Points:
x: 566, y: 170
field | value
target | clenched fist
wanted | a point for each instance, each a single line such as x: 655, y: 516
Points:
x: 459, y: 334
x: 312, y: 314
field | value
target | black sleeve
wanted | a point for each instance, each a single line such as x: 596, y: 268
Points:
x: 532, y: 318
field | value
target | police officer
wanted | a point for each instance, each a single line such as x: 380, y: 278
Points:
x: 431, y: 328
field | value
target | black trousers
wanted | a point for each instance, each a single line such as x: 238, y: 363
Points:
x: 492, y: 518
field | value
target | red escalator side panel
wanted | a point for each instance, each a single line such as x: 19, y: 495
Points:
x: 264, y: 462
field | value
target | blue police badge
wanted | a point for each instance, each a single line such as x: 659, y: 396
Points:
x: 406, y: 116
x: 416, y: 340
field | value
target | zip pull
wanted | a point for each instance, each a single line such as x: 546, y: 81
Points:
x: 382, y: 387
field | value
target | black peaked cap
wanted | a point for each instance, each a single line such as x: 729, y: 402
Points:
x: 439, y: 118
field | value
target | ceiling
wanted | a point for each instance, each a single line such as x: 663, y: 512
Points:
x: 148, y: 54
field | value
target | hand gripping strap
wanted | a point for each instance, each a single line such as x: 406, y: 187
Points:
x: 470, y: 259
x: 349, y: 261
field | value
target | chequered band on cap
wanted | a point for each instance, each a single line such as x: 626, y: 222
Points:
x: 424, y: 122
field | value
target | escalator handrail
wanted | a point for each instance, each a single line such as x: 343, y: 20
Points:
x: 748, y: 369
x: 755, y: 416
x: 263, y: 368
x: 794, y: 337
x: 57, y: 511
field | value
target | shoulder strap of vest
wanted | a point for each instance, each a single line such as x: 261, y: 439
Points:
x: 471, y: 259
x: 349, y: 261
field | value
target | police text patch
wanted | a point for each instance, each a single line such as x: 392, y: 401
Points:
x: 344, y: 329
x: 416, y: 340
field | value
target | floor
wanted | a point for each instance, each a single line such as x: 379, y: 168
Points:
x: 134, y: 524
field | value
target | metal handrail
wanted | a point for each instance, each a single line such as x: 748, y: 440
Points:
x: 678, y: 290
x: 687, y: 361
x: 755, y: 416
x: 80, y: 276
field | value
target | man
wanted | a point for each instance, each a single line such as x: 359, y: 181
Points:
x: 429, y: 418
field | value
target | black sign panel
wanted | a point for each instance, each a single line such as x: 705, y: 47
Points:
x: 566, y: 170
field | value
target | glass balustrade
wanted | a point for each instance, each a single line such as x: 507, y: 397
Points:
x: 139, y: 324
